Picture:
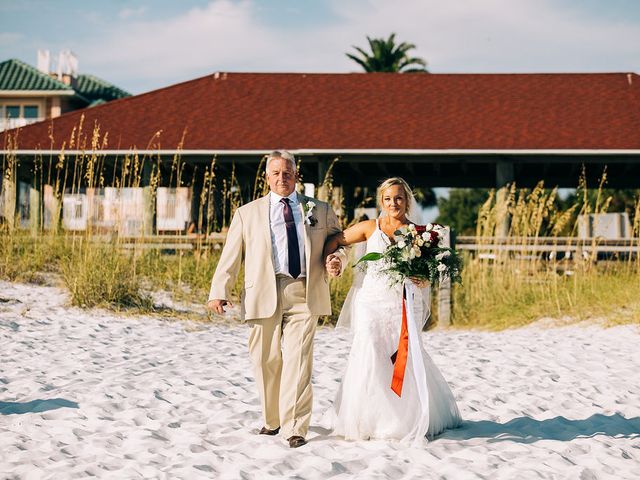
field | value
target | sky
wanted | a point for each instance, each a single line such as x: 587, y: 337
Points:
x: 142, y: 45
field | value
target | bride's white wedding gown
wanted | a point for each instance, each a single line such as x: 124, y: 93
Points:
x: 365, y: 406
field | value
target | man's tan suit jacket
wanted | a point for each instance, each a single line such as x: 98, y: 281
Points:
x: 249, y: 238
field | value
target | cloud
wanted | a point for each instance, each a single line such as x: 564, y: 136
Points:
x: 460, y: 36
x: 496, y: 36
x: 201, y: 40
x: 132, y: 12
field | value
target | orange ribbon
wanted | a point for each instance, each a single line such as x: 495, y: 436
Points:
x: 400, y: 357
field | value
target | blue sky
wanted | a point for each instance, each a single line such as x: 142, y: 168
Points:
x: 146, y: 44
x: 142, y: 45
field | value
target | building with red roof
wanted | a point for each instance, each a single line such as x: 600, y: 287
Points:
x: 427, y: 119
x: 447, y: 130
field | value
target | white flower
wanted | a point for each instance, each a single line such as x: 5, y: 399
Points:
x: 309, y: 212
x: 420, y: 242
x: 426, y: 236
x: 441, y: 267
x: 403, y: 230
x: 442, y: 255
x: 402, y: 244
x: 417, y: 251
x: 412, y: 254
x: 405, y: 256
x: 429, y: 227
x: 412, y: 227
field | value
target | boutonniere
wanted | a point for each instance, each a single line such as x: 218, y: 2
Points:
x: 309, y: 219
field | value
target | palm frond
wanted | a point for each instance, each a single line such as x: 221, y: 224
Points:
x: 386, y: 56
x: 360, y: 62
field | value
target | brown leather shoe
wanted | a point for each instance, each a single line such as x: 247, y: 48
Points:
x: 266, y: 431
x: 296, y: 441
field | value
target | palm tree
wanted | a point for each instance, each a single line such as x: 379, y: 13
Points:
x: 386, y: 56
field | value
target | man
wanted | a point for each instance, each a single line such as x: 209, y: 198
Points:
x: 281, y: 238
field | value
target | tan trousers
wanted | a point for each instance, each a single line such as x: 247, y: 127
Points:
x: 281, y: 349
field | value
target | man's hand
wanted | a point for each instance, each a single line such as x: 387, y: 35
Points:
x: 218, y: 305
x: 333, y: 265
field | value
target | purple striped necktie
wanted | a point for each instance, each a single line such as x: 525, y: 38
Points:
x: 293, y: 249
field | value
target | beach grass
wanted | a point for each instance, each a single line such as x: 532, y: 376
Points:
x: 505, y: 291
x: 98, y: 275
x: 502, y: 296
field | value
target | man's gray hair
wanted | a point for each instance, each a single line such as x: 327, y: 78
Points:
x: 281, y: 154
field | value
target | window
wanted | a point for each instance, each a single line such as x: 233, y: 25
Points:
x: 20, y: 112
x: 12, y: 111
x: 30, y: 111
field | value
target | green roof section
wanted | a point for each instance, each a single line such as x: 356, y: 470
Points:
x: 97, y: 102
x: 17, y: 75
x: 94, y: 89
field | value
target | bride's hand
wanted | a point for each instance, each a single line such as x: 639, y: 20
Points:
x: 333, y: 265
x: 420, y: 282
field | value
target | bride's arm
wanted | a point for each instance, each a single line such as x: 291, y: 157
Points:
x: 354, y: 234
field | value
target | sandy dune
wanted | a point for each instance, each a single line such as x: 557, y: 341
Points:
x: 90, y: 393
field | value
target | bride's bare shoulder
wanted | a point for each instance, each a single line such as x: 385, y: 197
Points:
x: 367, y: 227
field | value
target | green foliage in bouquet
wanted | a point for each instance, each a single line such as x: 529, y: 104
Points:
x: 416, y: 254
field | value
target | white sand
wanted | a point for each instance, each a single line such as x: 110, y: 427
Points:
x: 90, y: 393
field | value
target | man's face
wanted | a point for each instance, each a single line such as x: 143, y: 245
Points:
x: 281, y: 177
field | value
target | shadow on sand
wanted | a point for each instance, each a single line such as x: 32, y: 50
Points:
x: 35, y: 406
x: 529, y: 430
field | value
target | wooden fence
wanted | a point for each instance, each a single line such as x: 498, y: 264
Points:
x: 541, y: 248
x: 549, y: 247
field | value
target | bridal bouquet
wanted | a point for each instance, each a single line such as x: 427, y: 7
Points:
x: 416, y: 254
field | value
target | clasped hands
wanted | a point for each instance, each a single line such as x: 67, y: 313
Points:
x: 333, y: 265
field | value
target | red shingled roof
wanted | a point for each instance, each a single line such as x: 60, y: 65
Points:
x: 261, y: 111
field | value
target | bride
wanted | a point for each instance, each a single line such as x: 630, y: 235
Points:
x: 365, y: 406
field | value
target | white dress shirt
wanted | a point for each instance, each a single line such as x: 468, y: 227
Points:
x: 279, y: 233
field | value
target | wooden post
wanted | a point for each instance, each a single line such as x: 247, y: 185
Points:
x: 50, y: 209
x: 444, y: 289
x: 504, y: 176
x: 9, y: 201
x: 321, y: 190
x: 148, y: 200
x: 147, y: 211
x: 347, y: 192
x: 504, y: 173
x: 34, y: 210
x: 196, y: 193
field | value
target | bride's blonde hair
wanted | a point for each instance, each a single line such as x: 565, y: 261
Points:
x: 390, y: 182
